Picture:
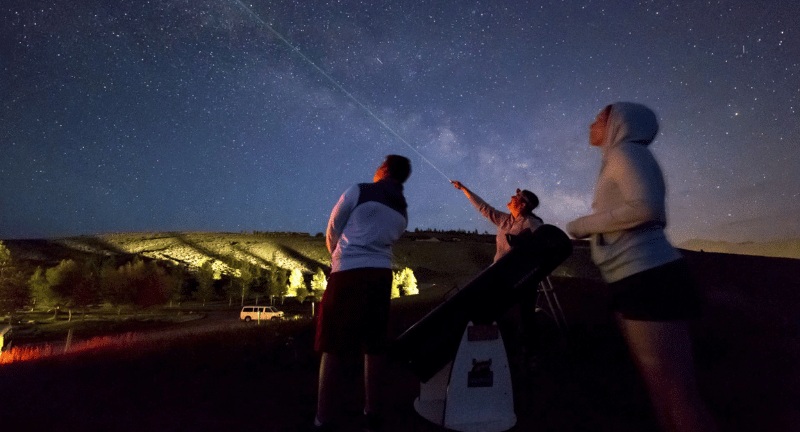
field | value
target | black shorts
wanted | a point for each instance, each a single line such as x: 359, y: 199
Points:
x: 664, y: 293
x: 354, y: 312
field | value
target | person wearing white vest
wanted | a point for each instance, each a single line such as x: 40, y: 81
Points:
x: 353, y: 317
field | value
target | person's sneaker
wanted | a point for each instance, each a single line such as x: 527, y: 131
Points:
x: 372, y: 422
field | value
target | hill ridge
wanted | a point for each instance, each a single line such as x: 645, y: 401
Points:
x: 789, y: 248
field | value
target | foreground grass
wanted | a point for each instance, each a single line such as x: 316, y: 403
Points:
x: 132, y: 345
x: 169, y: 383
x: 39, y: 334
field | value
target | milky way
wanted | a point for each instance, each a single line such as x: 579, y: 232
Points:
x: 195, y: 116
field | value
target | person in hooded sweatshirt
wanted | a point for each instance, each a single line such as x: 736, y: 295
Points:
x: 652, y: 292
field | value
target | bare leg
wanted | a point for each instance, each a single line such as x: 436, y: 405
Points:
x: 374, y: 368
x: 662, y: 353
x: 331, y: 370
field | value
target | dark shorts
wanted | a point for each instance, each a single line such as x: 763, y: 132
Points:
x: 354, y: 312
x: 664, y: 293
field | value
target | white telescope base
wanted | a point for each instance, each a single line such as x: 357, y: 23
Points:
x: 472, y: 393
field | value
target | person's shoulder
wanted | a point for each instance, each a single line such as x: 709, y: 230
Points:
x: 534, y: 222
x: 631, y: 150
x: 635, y: 157
x: 354, y: 188
x: 351, y: 193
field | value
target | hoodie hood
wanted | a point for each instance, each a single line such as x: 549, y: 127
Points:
x: 630, y: 122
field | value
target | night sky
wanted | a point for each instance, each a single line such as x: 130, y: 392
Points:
x: 168, y: 115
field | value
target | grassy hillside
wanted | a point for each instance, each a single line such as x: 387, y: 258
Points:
x: 779, y: 249
x: 289, y: 250
x: 450, y: 258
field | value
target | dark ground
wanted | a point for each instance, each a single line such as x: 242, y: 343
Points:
x: 257, y: 378
x: 215, y: 384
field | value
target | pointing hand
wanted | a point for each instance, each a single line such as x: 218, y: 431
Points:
x: 457, y: 184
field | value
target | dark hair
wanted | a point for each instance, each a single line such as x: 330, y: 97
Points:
x: 531, y: 199
x: 399, y: 167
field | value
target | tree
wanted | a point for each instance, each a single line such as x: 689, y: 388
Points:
x: 244, y: 283
x: 117, y: 285
x: 152, y: 284
x: 278, y: 284
x: 14, y: 292
x: 5, y: 257
x: 296, y: 283
x: 182, y: 285
x: 404, y: 283
x: 87, y: 291
x: 261, y: 282
x: 395, y: 285
x: 70, y: 286
x: 410, y: 285
x: 301, y: 293
x: 319, y: 282
x: 174, y: 278
x: 140, y: 283
x: 205, y: 281
x: 40, y: 289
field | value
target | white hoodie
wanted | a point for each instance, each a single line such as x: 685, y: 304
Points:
x: 629, y: 214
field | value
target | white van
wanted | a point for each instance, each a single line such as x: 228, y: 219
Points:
x: 260, y: 313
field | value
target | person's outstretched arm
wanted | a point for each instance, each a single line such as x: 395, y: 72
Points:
x: 495, y: 216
